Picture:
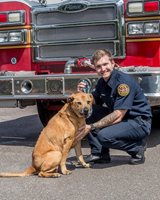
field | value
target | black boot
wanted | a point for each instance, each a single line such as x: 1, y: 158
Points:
x: 139, y: 158
x: 105, y: 157
x: 98, y: 158
x: 92, y: 158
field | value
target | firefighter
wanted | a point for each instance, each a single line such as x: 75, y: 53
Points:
x: 121, y: 117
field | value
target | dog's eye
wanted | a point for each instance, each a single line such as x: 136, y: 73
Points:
x: 79, y: 103
x: 88, y: 102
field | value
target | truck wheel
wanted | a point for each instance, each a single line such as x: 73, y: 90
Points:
x: 44, y: 113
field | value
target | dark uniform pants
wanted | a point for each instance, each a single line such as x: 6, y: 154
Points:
x: 126, y: 135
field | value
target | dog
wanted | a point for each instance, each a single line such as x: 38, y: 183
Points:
x: 57, y: 138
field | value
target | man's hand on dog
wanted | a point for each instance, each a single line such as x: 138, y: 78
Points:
x: 82, y: 132
x: 81, y: 85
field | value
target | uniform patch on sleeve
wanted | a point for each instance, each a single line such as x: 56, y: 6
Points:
x: 123, y: 90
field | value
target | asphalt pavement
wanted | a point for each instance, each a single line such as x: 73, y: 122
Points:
x: 19, y: 130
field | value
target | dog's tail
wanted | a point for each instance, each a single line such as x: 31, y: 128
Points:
x: 28, y: 172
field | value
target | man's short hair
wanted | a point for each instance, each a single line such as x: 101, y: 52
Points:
x: 99, y: 54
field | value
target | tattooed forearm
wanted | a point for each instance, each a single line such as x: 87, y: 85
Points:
x: 110, y: 119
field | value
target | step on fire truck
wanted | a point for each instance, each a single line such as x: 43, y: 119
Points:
x: 44, y: 43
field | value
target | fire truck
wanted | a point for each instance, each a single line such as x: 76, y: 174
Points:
x: 44, y: 44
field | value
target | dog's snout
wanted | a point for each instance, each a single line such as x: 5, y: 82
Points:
x: 85, y: 111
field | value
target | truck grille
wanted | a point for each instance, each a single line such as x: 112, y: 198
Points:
x: 61, y: 35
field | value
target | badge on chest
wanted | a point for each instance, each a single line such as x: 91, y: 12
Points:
x: 123, y: 89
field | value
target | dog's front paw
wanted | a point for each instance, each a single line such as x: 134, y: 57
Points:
x: 86, y: 165
x: 66, y: 172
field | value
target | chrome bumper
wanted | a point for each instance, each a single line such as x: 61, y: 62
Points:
x: 41, y: 86
x: 62, y: 85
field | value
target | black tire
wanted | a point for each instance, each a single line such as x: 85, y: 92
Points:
x: 156, y: 116
x: 44, y: 114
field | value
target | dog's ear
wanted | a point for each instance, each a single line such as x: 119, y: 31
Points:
x: 70, y: 99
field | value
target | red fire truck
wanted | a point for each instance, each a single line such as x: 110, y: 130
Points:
x: 44, y: 44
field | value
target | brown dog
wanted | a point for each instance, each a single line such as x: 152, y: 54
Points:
x: 57, y: 138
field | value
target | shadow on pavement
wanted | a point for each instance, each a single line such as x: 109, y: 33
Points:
x: 21, y: 131
x: 154, y: 138
x: 25, y: 131
x: 117, y: 160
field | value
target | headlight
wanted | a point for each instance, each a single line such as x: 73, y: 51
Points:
x: 151, y: 28
x: 3, y: 37
x: 135, y: 29
x: 15, y: 36
x: 142, y: 8
x: 135, y: 7
x: 143, y: 28
x: 12, y: 37
x: 14, y: 17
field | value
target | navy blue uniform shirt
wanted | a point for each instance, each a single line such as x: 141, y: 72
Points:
x: 122, y: 92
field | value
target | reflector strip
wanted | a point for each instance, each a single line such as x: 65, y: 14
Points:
x: 3, y: 18
x: 151, y: 6
x: 143, y: 40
